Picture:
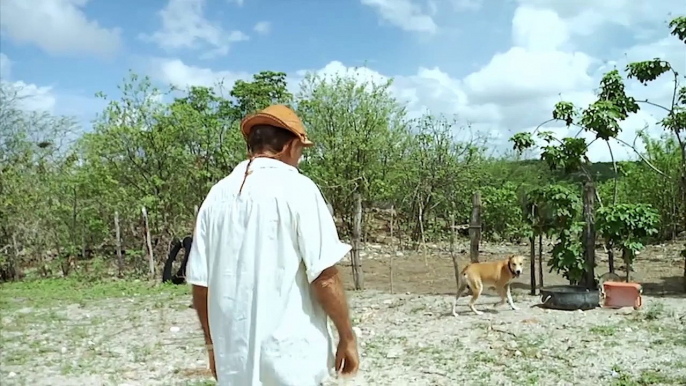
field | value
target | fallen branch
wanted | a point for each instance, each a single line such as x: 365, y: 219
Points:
x: 502, y: 331
x: 435, y: 372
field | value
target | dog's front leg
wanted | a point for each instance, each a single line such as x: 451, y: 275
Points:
x: 503, y: 296
x: 509, y: 299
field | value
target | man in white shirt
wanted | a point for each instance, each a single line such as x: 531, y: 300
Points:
x: 262, y: 266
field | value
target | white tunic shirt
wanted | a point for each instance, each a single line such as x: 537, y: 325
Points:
x: 257, y: 253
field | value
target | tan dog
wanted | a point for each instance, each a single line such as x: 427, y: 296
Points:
x: 497, y: 274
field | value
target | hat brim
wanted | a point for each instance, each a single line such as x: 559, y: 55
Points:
x: 251, y: 121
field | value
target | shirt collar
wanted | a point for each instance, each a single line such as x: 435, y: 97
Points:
x: 268, y: 163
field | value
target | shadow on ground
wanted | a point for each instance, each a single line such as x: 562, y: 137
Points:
x: 671, y: 286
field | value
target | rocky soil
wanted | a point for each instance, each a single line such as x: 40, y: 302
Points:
x: 407, y: 339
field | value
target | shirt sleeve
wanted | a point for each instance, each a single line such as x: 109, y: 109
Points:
x: 198, y: 262
x: 318, y: 242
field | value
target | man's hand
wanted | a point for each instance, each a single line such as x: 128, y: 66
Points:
x: 347, y: 358
x: 213, y: 366
x: 331, y: 295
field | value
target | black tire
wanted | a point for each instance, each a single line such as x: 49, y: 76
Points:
x: 569, y: 298
x: 168, y: 265
x: 180, y: 277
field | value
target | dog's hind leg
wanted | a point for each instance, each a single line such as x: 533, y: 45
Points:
x: 460, y: 290
x: 476, y: 288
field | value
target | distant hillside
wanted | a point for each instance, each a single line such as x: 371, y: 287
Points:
x: 601, y: 171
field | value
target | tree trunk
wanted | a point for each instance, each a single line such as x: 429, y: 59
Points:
x: 589, y: 235
x: 610, y: 256
x: 475, y: 228
x: 626, y: 256
x: 358, y: 276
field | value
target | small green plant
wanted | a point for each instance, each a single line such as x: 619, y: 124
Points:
x: 627, y: 226
x: 554, y: 211
x: 655, y: 311
x: 604, y: 330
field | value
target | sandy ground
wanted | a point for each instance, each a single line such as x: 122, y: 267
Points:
x: 124, y: 333
x: 659, y: 268
x: 406, y: 340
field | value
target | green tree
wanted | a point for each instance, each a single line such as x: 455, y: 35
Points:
x: 437, y: 171
x: 627, y: 226
x: 31, y: 144
x: 360, y: 138
x: 675, y: 119
x: 266, y: 88
x: 554, y: 210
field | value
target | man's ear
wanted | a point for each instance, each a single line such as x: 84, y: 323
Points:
x: 293, y: 147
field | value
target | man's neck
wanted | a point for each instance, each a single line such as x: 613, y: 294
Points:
x: 270, y: 155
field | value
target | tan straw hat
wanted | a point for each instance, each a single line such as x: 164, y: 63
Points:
x: 276, y: 115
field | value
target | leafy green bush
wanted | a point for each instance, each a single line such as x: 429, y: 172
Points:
x: 627, y: 226
x: 502, y: 213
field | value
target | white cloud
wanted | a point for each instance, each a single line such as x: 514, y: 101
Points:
x: 404, y: 14
x: 535, y: 68
x: 184, y: 26
x: 586, y: 17
x: 179, y: 74
x: 519, y: 73
x: 539, y: 29
x: 5, y: 67
x: 517, y: 89
x: 237, y: 2
x: 263, y: 28
x: 32, y: 97
x: 29, y: 97
x: 57, y: 27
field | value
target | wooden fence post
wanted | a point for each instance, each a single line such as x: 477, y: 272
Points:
x: 532, y: 263
x: 456, y: 266
x: 358, y: 276
x: 475, y: 228
x: 589, y: 235
x: 540, y: 260
x: 13, y: 266
x: 683, y: 212
x: 120, y: 259
x: 149, y: 243
x: 390, y: 273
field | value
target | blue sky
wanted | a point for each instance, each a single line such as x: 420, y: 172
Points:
x: 497, y: 65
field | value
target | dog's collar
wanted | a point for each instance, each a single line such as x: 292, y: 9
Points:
x: 510, y: 268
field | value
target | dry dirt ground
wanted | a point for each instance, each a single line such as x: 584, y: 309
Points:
x: 65, y: 332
